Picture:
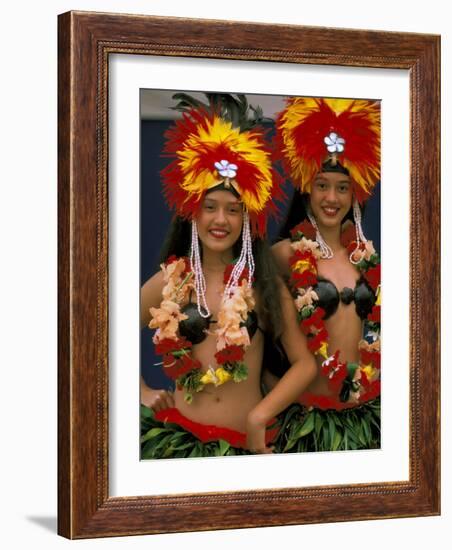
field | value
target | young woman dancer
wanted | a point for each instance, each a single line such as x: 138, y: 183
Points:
x: 330, y: 149
x: 217, y: 295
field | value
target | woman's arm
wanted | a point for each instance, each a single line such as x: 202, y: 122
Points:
x: 269, y: 380
x: 151, y: 296
x: 155, y: 399
x: 302, y: 371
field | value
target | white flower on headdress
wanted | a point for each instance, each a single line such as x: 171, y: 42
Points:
x: 225, y: 169
x: 334, y: 143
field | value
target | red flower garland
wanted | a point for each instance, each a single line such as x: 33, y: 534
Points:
x: 312, y: 324
x: 373, y: 276
x: 230, y: 354
x: 176, y: 352
x: 174, y: 367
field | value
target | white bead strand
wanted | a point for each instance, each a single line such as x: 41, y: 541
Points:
x: 325, y: 249
x: 196, y: 267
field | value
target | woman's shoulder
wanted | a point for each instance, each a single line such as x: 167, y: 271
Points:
x: 281, y: 252
x: 155, y: 282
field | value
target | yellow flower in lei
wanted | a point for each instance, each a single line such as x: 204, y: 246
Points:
x: 217, y: 377
x: 378, y: 293
x: 323, y: 350
x: 304, y: 265
x: 370, y: 372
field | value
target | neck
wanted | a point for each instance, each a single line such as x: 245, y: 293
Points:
x: 215, y: 261
x: 332, y: 236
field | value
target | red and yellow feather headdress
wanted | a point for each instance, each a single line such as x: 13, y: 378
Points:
x: 311, y: 131
x: 208, y: 151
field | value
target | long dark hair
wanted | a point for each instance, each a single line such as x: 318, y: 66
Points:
x: 178, y: 242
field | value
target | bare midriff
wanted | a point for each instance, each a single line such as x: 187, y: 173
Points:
x: 227, y: 405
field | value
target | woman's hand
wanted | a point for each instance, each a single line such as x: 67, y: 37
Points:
x: 157, y: 400
x: 255, y: 435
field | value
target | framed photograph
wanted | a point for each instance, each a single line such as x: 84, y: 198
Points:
x: 164, y: 112
x: 117, y: 75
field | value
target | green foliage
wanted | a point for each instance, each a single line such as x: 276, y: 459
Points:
x: 191, y: 382
x: 231, y: 107
x: 373, y: 261
x: 301, y: 430
x: 169, y: 440
x: 317, y: 430
x: 240, y: 372
x: 306, y: 311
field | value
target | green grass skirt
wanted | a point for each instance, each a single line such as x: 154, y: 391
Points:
x: 313, y: 430
x: 301, y: 430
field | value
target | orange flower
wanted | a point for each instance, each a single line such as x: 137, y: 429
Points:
x: 178, y: 280
x: 375, y: 346
x: 166, y: 320
x: 174, y: 269
x: 232, y: 314
x: 305, y: 297
x: 306, y: 244
x: 358, y: 255
x: 247, y: 294
x: 369, y: 250
x: 232, y: 336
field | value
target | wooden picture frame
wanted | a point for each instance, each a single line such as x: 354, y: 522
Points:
x: 86, y: 40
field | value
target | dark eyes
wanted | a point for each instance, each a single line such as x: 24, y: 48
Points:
x: 324, y: 186
x: 230, y: 209
x: 234, y: 209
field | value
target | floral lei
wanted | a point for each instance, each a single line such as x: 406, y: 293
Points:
x: 353, y: 383
x: 232, y: 335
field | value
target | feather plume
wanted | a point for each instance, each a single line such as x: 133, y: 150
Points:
x: 202, y: 138
x: 305, y: 122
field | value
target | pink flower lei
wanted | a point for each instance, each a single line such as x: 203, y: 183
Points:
x: 232, y: 335
x: 352, y: 383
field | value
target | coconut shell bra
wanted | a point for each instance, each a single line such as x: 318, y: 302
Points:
x: 195, y: 326
x: 329, y: 297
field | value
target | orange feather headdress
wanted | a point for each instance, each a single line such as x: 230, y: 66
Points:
x: 207, y: 151
x: 312, y: 131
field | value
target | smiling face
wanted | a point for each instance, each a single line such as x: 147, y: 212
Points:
x: 330, y: 198
x: 220, y: 220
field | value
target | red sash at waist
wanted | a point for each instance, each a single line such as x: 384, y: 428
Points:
x: 209, y: 432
